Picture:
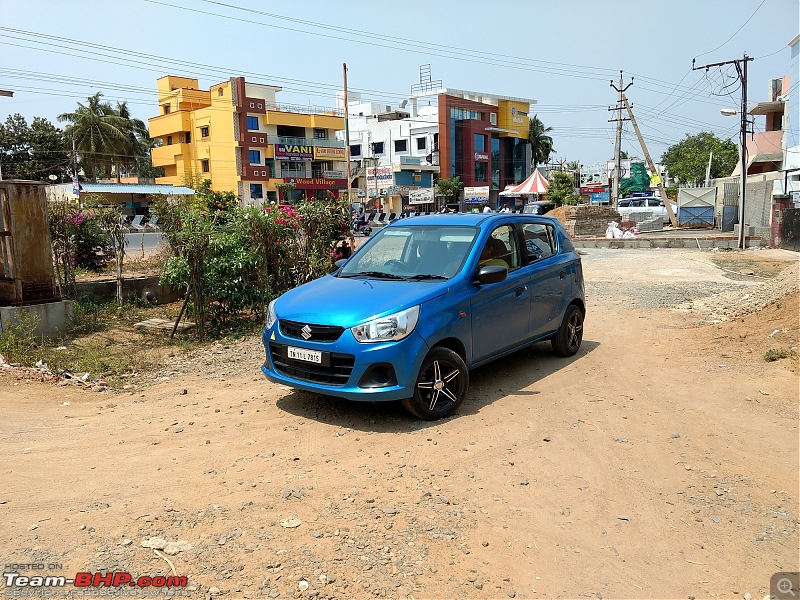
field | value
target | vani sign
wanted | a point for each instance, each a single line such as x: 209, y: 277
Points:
x: 293, y: 152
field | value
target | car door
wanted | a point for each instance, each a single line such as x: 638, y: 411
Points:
x: 500, y: 312
x: 549, y: 277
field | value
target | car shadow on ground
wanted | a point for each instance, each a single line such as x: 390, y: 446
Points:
x: 488, y: 384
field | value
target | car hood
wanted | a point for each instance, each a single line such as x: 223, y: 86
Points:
x: 348, y: 301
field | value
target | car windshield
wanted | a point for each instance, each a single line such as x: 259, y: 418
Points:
x: 413, y: 252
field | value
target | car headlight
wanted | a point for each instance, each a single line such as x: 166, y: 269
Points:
x: 271, y: 316
x: 391, y: 327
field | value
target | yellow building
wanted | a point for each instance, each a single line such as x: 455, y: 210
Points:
x: 239, y: 137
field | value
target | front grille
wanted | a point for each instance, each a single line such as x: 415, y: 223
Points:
x: 318, y: 333
x: 337, y: 373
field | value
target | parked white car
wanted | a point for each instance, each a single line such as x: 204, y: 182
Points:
x: 652, y: 204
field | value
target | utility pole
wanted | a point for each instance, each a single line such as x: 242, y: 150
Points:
x: 744, y: 126
x: 76, y: 186
x: 347, y: 134
x: 347, y: 156
x: 618, y: 141
x: 673, y: 221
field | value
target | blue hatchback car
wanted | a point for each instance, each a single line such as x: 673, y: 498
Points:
x: 423, y: 301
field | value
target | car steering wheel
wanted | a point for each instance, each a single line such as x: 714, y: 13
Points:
x: 395, y: 264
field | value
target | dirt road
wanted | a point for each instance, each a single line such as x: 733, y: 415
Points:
x: 662, y: 461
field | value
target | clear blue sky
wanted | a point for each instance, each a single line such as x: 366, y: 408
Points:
x: 562, y: 53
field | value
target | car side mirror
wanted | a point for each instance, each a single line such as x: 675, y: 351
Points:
x: 491, y: 274
x: 340, y: 263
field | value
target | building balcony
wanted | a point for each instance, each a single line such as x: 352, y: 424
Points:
x: 304, y: 116
x: 254, y: 139
x: 328, y: 174
x: 255, y: 173
x: 284, y: 174
x: 256, y: 106
x: 298, y: 141
x: 170, y: 124
x: 165, y: 155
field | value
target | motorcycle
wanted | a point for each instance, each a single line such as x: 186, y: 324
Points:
x: 361, y: 226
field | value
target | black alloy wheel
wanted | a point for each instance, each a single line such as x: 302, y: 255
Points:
x: 441, y: 385
x: 569, y: 336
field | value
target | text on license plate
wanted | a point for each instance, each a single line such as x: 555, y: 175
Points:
x: 314, y: 356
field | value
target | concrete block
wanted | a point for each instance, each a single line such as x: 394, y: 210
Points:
x: 52, y: 318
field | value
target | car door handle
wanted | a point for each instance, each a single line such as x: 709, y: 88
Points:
x: 562, y: 275
x: 521, y: 290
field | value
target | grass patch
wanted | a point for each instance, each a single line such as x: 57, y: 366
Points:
x: 101, y: 340
x: 772, y: 355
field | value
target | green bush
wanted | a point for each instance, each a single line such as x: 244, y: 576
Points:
x: 18, y: 343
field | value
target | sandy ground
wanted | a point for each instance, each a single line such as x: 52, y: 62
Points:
x: 660, y: 462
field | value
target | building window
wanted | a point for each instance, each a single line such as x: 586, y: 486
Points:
x: 188, y: 137
x: 221, y: 91
x: 256, y: 190
x: 421, y: 143
x: 377, y: 148
x: 480, y: 171
x: 435, y: 142
x: 167, y: 109
x: 169, y: 140
x: 204, y: 131
x: 480, y: 143
x: 252, y: 123
x: 320, y: 134
x: 401, y: 145
x: 255, y: 157
x: 204, y: 165
x: 355, y: 150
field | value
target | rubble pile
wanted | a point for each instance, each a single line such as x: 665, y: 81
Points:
x: 41, y: 372
x: 734, y: 304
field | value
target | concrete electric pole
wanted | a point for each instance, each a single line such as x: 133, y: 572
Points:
x: 744, y: 126
x: 618, y: 142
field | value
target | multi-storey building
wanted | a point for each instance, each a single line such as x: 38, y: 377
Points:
x: 481, y: 138
x: 239, y: 137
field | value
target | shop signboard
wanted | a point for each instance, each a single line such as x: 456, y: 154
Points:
x: 324, y: 153
x: 423, y: 196
x: 293, y: 152
x: 319, y: 183
x: 476, y: 195
x: 380, y: 176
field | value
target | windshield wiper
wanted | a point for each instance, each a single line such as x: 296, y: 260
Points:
x: 424, y: 276
x: 377, y: 274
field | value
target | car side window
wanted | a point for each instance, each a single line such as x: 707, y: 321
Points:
x: 501, y: 249
x: 654, y: 202
x: 539, y: 240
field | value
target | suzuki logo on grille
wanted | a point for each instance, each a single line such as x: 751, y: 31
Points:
x: 306, y: 332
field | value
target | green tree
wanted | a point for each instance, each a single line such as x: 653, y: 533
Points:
x: 102, y: 136
x: 541, y: 143
x: 561, y: 190
x: 449, y: 188
x: 32, y: 151
x: 134, y: 150
x: 687, y: 160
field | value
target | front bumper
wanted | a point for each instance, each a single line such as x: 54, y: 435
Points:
x: 351, y: 367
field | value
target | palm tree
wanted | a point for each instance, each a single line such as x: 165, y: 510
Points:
x: 100, y: 134
x: 138, y: 143
x: 541, y: 143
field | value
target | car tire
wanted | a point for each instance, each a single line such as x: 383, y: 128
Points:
x: 367, y: 231
x: 441, y: 385
x: 569, y: 336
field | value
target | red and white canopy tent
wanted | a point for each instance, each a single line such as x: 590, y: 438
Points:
x: 535, y: 184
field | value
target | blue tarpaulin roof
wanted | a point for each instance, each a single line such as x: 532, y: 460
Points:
x: 135, y: 188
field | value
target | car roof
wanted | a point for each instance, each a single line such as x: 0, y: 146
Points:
x: 468, y: 219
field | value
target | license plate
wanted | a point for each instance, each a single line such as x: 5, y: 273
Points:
x: 312, y: 356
